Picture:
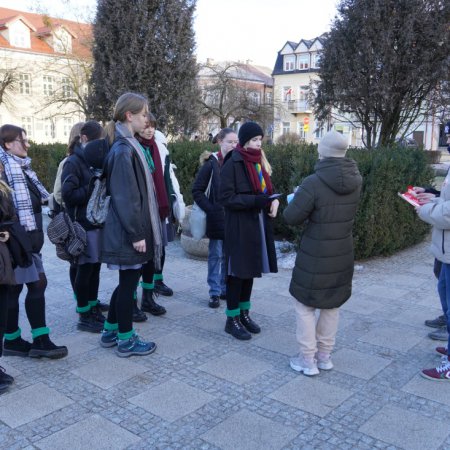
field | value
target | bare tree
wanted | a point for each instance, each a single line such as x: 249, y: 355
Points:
x: 9, y: 81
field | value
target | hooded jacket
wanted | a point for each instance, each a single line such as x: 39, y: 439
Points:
x: 326, y: 202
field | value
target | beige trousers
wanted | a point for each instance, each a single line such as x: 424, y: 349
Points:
x: 315, y: 335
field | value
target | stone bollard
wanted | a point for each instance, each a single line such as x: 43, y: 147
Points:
x: 194, y: 249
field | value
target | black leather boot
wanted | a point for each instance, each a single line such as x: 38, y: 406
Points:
x: 149, y: 305
x: 16, y: 347
x: 162, y: 289
x: 42, y: 346
x: 236, y: 329
x: 248, y: 323
x: 138, y: 315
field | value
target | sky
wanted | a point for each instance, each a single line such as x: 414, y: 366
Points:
x: 243, y: 30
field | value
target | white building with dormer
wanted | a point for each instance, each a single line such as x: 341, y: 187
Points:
x: 44, y: 67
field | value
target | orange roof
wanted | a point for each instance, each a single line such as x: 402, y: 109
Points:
x: 81, y: 32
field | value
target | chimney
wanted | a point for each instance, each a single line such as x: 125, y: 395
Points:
x: 209, y: 61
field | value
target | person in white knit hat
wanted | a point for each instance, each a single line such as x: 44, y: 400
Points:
x: 322, y: 277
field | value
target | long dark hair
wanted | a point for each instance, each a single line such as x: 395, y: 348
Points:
x: 9, y: 133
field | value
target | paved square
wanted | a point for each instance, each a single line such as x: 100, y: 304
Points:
x: 406, y: 429
x: 383, y: 291
x: 358, y: 364
x: 278, y: 341
x: 110, y: 370
x: 92, y: 433
x: 171, y: 400
x: 311, y: 395
x: 249, y: 431
x: 33, y: 402
x: 438, y: 392
x: 175, y: 345
x: 235, y: 367
x: 392, y: 338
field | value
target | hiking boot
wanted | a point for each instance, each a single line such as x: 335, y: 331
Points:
x: 248, y: 323
x: 163, y: 289
x: 149, y: 305
x: 439, y: 335
x: 442, y: 351
x: 4, y: 377
x: 104, y: 307
x: 42, y: 346
x: 108, y: 338
x: 440, y: 373
x: 16, y: 347
x: 306, y: 365
x: 324, y: 361
x: 134, y: 346
x: 214, y: 301
x: 97, y: 313
x: 138, y: 315
x: 234, y: 327
x: 439, y: 322
x: 88, y: 322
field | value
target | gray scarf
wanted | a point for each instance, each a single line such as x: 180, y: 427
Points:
x: 123, y: 130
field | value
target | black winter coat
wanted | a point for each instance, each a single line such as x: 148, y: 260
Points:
x: 243, y: 239
x: 128, y: 219
x: 215, y: 216
x: 75, y: 187
x: 327, y: 201
x: 37, y: 235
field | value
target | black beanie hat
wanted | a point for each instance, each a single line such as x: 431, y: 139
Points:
x: 248, y: 131
x: 95, y: 153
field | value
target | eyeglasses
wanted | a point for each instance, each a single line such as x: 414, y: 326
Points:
x: 22, y: 141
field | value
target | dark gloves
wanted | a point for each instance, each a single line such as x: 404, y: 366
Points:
x: 262, y: 200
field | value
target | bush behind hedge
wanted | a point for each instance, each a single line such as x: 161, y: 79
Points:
x: 384, y: 223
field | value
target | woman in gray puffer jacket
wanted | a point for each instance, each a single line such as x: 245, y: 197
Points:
x: 322, y: 278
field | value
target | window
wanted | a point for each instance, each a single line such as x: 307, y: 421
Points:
x: 66, y: 88
x: 269, y: 97
x: 303, y: 62
x: 318, y: 133
x: 24, y: 83
x: 301, y: 130
x: 289, y: 62
x: 67, y: 124
x: 286, y: 127
x: 316, y: 60
x: 287, y: 93
x: 49, y: 129
x: 254, y: 98
x: 19, y: 39
x: 48, y: 85
x: 27, y: 125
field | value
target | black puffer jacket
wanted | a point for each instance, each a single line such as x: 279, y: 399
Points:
x: 75, y: 187
x: 215, y: 216
x: 128, y: 219
x: 327, y: 201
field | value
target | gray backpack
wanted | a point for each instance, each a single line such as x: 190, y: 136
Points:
x: 98, y: 205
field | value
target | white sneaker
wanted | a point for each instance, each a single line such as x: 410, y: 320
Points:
x: 305, y: 365
x: 324, y: 361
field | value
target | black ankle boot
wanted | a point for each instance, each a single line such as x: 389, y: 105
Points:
x: 163, y: 289
x: 149, y: 305
x: 236, y: 329
x: 42, y: 346
x: 16, y: 347
x: 97, y: 313
x: 138, y: 315
x: 248, y: 323
x: 88, y: 321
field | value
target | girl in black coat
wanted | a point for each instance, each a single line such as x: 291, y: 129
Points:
x: 76, y: 183
x: 246, y: 194
x: 215, y: 216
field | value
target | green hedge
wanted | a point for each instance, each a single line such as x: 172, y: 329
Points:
x: 384, y: 223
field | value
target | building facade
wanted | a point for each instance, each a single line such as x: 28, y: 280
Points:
x: 44, y: 68
x: 296, y: 68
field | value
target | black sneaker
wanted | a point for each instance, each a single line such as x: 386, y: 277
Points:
x: 214, y: 301
x: 104, y: 307
x: 439, y: 322
x: 88, y: 322
x: 16, y: 347
x: 43, y: 347
x: 4, y: 377
x: 163, y: 289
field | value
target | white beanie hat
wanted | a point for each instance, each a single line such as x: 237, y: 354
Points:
x: 333, y: 145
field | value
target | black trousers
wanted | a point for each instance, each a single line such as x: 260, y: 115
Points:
x: 238, y: 290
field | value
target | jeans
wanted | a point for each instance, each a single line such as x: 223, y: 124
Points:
x: 216, y: 268
x: 444, y: 294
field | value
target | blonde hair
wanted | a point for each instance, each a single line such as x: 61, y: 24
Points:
x: 265, y: 163
x: 128, y: 102
x: 75, y: 132
x: 4, y: 189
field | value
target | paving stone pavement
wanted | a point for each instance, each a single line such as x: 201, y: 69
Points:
x: 202, y: 389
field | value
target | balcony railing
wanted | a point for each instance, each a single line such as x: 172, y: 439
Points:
x: 298, y: 106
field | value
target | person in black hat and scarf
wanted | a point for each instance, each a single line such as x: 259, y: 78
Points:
x: 245, y: 193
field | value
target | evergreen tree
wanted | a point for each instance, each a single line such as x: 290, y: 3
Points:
x: 146, y: 46
x: 382, y: 64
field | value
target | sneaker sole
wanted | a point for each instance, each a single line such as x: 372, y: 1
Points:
x: 7, y: 352
x: 438, y: 338
x: 108, y: 344
x: 433, y: 379
x: 325, y: 366
x: 303, y: 370
x: 240, y: 338
x: 165, y: 294
x: 127, y: 354
x: 52, y: 354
